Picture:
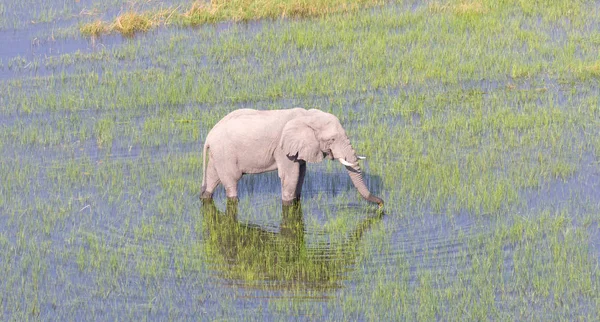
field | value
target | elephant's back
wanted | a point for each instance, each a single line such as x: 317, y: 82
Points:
x: 272, y: 114
x: 247, y: 118
x: 222, y: 124
x: 248, y: 125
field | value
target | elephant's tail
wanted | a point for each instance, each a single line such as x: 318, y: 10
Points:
x: 204, y: 164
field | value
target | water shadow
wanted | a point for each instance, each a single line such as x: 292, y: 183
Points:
x: 318, y: 180
x: 251, y: 256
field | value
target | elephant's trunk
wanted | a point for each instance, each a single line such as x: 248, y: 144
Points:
x: 347, y: 156
x: 357, y: 179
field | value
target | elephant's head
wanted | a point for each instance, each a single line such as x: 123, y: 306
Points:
x: 317, y: 135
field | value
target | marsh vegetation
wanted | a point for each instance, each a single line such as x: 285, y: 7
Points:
x: 479, y: 119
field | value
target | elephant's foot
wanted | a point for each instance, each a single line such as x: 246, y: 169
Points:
x: 232, y: 201
x: 205, y: 195
x: 291, y: 202
x: 207, y: 201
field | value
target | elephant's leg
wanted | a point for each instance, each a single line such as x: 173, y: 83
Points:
x: 302, y: 171
x: 229, y: 175
x: 231, y: 191
x: 289, y: 174
x: 212, y: 181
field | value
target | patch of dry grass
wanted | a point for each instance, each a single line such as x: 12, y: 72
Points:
x: 593, y: 69
x: 127, y: 24
x: 201, y: 12
x: 131, y: 22
x: 462, y: 7
x: 94, y: 28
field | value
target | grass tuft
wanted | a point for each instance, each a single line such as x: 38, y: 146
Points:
x: 127, y: 24
x: 131, y: 22
x: 95, y: 28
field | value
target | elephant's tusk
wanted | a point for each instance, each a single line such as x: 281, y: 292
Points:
x: 346, y: 163
x: 360, y: 157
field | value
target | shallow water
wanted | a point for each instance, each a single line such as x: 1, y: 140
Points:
x: 100, y: 171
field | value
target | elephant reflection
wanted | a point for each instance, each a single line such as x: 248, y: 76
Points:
x: 249, y: 254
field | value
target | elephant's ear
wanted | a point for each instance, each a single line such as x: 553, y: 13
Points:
x: 298, y: 138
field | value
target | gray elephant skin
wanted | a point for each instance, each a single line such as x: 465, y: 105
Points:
x: 254, y: 141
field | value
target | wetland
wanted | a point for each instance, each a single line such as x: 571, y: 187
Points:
x: 480, y: 121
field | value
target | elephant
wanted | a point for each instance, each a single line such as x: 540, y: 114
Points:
x: 255, y: 141
x: 256, y: 257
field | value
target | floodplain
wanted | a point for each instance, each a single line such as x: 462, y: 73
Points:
x: 480, y: 121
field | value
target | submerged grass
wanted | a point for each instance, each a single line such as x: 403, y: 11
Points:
x: 479, y: 120
x: 530, y: 268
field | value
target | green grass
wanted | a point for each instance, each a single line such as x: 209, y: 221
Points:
x: 503, y: 273
x: 478, y: 120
